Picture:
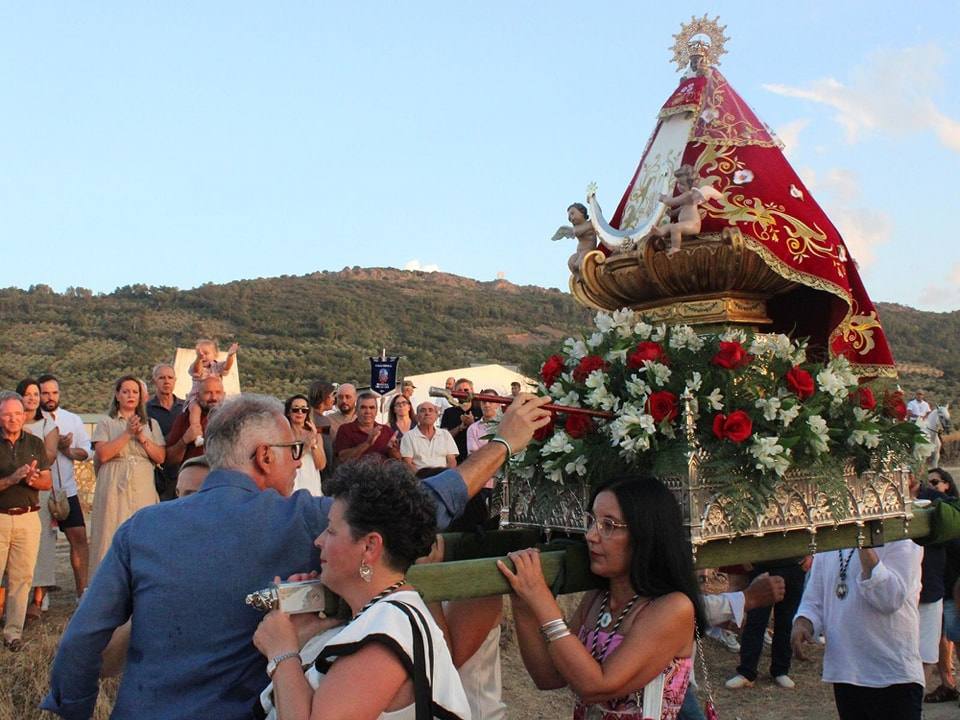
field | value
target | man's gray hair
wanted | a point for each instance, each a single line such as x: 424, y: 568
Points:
x: 10, y: 395
x: 238, y: 425
x: 367, y: 395
x: 158, y: 367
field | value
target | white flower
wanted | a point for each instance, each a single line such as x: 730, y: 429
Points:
x: 576, y: 349
x: 595, y: 340
x: 821, y: 435
x: 694, y: 383
x: 558, y: 444
x: 800, y: 354
x: 578, y: 466
x: 596, y: 379
x: 923, y: 450
x: 623, y: 321
x: 866, y: 438
x: 716, y: 399
x: 770, y: 455
x: 658, y: 373
x: 778, y: 345
x: 638, y: 388
x: 832, y: 384
x: 770, y: 406
x: 616, y: 356
x: 571, y: 399
x: 733, y: 334
x: 603, y: 321
x: 790, y: 414
x: 659, y: 333
x: 642, y: 330
x: 556, y: 390
x: 684, y: 336
x: 861, y: 414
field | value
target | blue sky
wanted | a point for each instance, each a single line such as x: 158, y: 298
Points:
x: 181, y: 143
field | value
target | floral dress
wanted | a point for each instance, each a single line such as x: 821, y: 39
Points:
x: 630, y: 707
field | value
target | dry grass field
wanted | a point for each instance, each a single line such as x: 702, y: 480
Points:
x: 23, y: 676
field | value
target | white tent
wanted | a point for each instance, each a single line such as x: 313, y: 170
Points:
x: 181, y: 366
x: 496, y: 377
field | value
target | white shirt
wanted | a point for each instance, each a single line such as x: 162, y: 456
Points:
x: 62, y: 470
x: 721, y: 608
x: 425, y: 452
x: 918, y: 408
x: 873, y: 634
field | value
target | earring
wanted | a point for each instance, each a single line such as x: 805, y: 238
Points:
x: 366, y: 572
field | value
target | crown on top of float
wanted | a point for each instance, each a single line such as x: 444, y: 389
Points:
x: 701, y: 40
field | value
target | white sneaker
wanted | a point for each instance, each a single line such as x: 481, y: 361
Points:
x: 768, y: 637
x: 784, y: 681
x: 737, y: 682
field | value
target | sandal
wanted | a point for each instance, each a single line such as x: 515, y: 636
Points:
x: 941, y: 694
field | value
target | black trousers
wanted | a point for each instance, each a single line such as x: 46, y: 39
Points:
x: 751, y: 640
x: 894, y: 702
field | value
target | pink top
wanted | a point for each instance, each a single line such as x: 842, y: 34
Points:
x: 630, y: 707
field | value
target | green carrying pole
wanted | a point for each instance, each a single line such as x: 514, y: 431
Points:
x: 470, y: 566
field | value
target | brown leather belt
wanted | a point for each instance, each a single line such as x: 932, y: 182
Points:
x: 19, y: 510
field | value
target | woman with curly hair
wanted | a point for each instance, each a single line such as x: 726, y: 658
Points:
x: 381, y: 520
x: 638, y: 628
x: 127, y: 445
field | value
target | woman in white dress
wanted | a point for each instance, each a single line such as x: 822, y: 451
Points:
x: 390, y: 660
x: 127, y: 446
x: 314, y: 459
x: 44, y: 575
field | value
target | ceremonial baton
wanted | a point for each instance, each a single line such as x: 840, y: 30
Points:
x: 467, y: 395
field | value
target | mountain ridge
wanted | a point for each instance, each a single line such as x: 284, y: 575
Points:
x: 295, y: 329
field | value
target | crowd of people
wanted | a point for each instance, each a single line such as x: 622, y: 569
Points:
x: 260, y: 489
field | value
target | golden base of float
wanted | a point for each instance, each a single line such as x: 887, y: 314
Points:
x: 713, y: 279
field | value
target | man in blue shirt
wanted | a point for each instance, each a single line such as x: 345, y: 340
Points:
x: 181, y: 569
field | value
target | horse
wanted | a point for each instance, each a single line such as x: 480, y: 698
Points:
x: 933, y: 425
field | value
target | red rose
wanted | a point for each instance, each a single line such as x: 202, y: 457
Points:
x: 542, y: 434
x: 662, y: 406
x: 731, y: 356
x: 893, y: 405
x: 646, y: 351
x: 800, y: 381
x: 551, y: 370
x: 735, y: 427
x: 587, y: 365
x: 866, y: 399
x: 578, y: 425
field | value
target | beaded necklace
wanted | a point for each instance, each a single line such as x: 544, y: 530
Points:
x: 604, y: 614
x: 380, y: 596
x: 842, y: 582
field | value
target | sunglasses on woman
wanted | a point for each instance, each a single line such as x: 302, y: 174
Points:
x: 299, y: 410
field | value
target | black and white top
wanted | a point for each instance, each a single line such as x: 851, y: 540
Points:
x: 391, y: 622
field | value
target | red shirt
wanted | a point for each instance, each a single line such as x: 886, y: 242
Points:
x: 350, y: 435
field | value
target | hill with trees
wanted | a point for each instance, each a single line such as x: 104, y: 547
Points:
x: 293, y: 330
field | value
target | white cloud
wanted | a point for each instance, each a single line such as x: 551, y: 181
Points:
x: 415, y: 265
x: 944, y: 294
x: 862, y: 228
x: 892, y: 93
x: 789, y: 135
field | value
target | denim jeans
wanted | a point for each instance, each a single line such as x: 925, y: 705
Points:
x: 951, y: 620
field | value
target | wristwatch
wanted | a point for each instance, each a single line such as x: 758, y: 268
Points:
x: 272, y: 665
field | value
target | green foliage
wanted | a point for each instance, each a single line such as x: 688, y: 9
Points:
x: 291, y: 330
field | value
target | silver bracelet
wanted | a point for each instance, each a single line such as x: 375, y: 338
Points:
x: 553, y: 630
x: 501, y: 441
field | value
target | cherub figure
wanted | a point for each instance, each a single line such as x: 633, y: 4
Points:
x: 684, y: 208
x: 581, y: 228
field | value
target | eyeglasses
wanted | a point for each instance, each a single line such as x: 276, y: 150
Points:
x: 299, y: 410
x: 400, y: 402
x: 296, y: 448
x: 605, y: 526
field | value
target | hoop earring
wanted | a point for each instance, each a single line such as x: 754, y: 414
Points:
x: 366, y: 572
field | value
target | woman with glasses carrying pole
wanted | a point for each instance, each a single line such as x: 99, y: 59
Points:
x: 627, y: 651
x: 297, y: 410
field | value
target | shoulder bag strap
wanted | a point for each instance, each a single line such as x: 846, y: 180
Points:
x: 421, y: 686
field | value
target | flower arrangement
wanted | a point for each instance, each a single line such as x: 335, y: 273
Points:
x: 751, y: 406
